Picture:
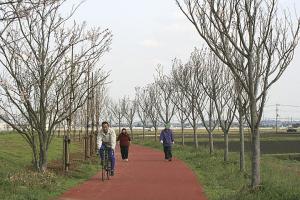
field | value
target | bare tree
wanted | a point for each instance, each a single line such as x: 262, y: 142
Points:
x: 117, y: 110
x: 99, y: 96
x: 182, y: 114
x: 35, y: 52
x: 205, y: 105
x: 129, y: 113
x: 185, y: 78
x: 11, y: 10
x: 216, y: 81
x: 142, y: 106
x: 106, y: 114
x: 254, y: 43
x: 6, y: 14
x: 242, y: 104
x: 100, y: 100
x: 219, y: 86
x: 153, y: 108
x: 208, y: 110
x: 164, y: 106
x: 178, y: 98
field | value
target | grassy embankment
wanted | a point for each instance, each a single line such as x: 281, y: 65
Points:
x: 19, y: 181
x: 280, y: 174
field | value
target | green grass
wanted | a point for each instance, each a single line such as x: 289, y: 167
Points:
x: 19, y: 181
x: 280, y: 174
x: 223, y: 181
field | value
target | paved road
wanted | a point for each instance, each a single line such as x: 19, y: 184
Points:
x: 145, y: 177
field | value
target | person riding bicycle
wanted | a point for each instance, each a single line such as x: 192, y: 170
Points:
x: 107, y: 139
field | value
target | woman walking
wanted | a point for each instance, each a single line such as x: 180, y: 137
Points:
x: 124, y: 140
x: 166, y: 138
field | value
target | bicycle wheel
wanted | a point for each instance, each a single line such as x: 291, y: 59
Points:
x: 103, y: 172
x: 104, y: 165
x: 108, y: 169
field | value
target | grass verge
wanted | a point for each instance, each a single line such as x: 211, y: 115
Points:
x: 19, y: 181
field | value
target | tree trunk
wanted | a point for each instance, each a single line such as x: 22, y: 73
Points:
x: 81, y: 130
x: 96, y: 135
x: 43, y: 159
x: 35, y: 154
x: 182, y: 134
x: 242, y: 143
x: 131, y: 130
x: 195, y: 137
x: 255, y: 145
x: 226, y: 146
x: 91, y: 144
x: 155, y: 134
x: 255, y: 179
x: 211, y: 142
x: 143, y: 133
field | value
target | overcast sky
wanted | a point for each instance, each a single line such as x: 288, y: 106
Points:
x: 151, y: 32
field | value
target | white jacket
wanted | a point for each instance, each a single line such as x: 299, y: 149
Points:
x: 109, y: 137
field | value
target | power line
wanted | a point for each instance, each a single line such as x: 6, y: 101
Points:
x: 282, y: 109
x: 294, y: 106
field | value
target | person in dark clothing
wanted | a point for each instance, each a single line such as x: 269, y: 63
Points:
x: 124, y: 140
x: 166, y: 138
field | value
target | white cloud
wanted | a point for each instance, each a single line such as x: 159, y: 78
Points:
x: 179, y: 28
x: 150, y: 43
x: 178, y: 15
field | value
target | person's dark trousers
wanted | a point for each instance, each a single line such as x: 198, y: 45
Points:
x: 111, y: 155
x: 124, y: 152
x: 168, y: 152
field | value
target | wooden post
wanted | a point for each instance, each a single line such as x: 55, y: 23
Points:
x: 86, y: 143
x: 87, y: 116
x: 92, y: 148
x: 97, y: 116
x: 66, y: 142
x: 96, y: 147
x: 81, y: 124
x: 69, y: 119
x: 91, y: 144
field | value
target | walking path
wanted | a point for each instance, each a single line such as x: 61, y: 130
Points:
x: 145, y: 177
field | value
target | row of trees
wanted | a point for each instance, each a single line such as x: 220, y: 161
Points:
x: 46, y: 63
x: 49, y: 72
x: 249, y: 46
x: 254, y: 42
x: 199, y: 91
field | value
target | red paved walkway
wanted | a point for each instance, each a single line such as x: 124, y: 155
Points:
x: 145, y: 177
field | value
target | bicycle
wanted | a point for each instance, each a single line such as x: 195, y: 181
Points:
x: 106, y: 165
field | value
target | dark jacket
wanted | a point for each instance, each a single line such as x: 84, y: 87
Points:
x: 166, y: 136
x: 124, y: 139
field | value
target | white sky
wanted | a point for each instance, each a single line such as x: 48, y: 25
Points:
x: 151, y: 32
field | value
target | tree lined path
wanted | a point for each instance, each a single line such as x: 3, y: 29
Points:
x: 146, y: 176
